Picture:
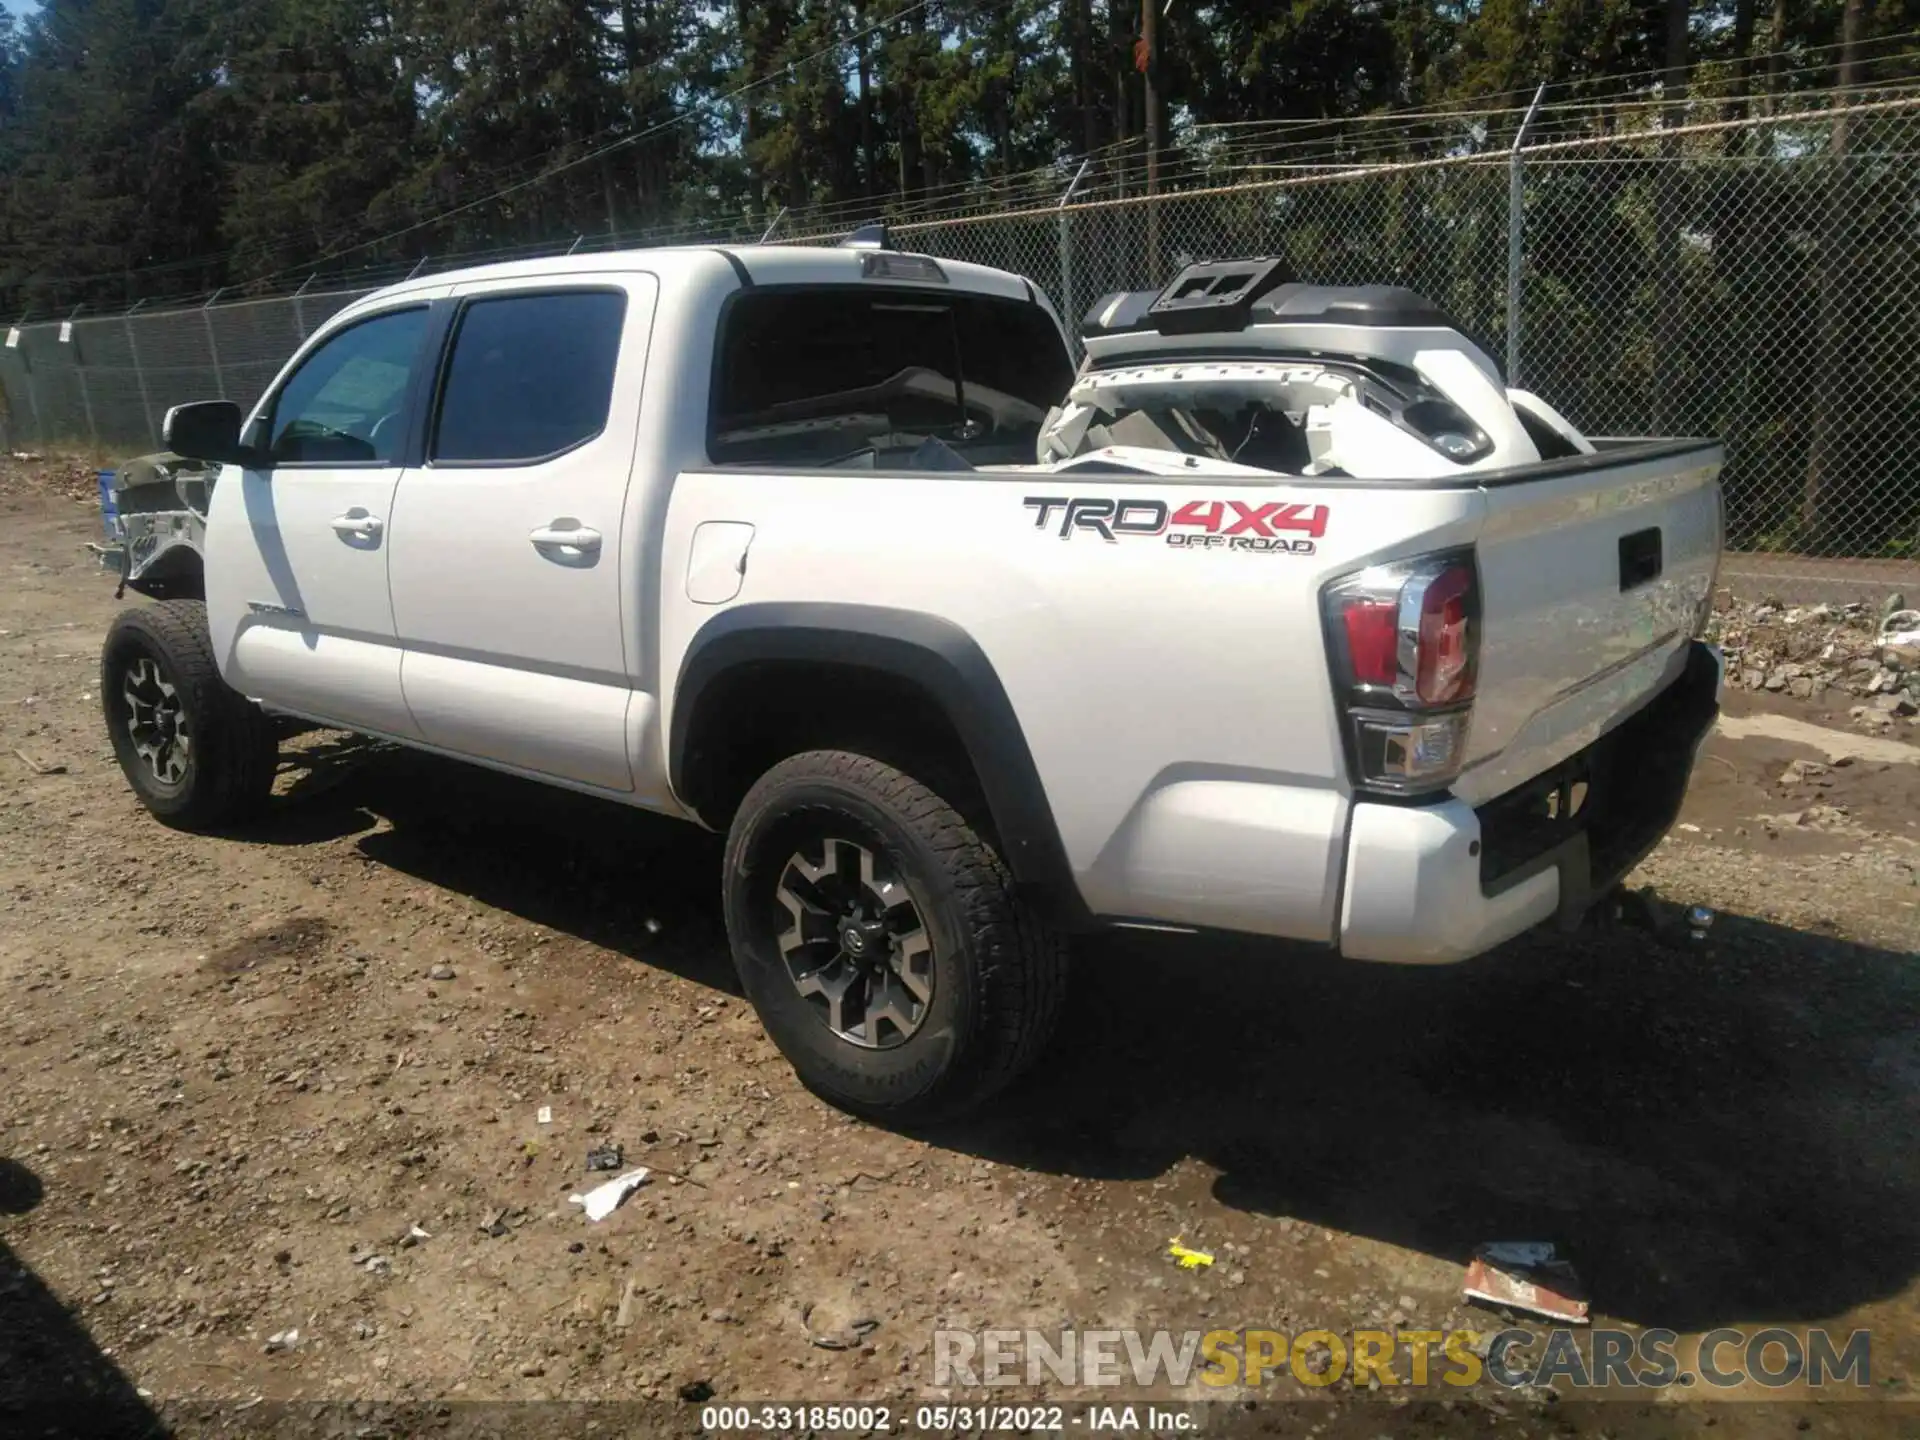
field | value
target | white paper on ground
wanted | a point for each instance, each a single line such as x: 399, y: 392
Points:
x: 603, y: 1200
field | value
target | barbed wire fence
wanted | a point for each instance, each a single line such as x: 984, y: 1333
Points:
x: 1753, y: 276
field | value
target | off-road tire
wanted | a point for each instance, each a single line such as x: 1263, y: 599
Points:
x: 232, y: 748
x: 999, y: 971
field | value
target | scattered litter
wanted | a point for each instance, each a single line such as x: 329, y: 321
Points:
x: 623, y: 1317
x: 837, y: 1321
x: 605, y: 1157
x: 37, y: 768
x: 544, y: 1115
x: 496, y: 1223
x: 1798, y: 772
x: 1189, y: 1259
x: 441, y: 972
x: 1699, y: 920
x: 283, y: 1340
x: 1526, y: 1275
x: 695, y: 1392
x: 1902, y: 627
x: 377, y: 1265
x: 604, y: 1199
x: 413, y: 1237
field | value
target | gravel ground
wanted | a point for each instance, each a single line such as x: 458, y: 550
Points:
x: 292, y: 1081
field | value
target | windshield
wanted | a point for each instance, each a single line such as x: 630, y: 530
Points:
x: 830, y: 374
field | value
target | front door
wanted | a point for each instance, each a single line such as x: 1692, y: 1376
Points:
x: 507, y: 548
x: 298, y: 587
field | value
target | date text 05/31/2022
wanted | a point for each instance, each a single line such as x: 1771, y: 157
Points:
x: 943, y: 1419
x: 1270, y: 527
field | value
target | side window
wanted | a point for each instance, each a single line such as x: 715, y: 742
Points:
x: 344, y: 403
x: 831, y: 375
x: 529, y: 377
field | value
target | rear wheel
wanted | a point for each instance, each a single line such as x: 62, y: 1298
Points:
x: 199, y: 755
x: 880, y: 939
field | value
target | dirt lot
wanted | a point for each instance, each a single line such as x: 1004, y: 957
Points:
x: 232, y: 1088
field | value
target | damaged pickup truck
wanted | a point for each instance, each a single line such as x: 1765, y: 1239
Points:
x: 159, y: 525
x: 1280, y: 614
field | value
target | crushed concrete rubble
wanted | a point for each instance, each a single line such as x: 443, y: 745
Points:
x: 1834, y: 653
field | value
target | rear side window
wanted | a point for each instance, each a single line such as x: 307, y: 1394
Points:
x: 530, y: 376
x: 838, y: 374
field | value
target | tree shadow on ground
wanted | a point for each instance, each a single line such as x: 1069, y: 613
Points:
x: 54, y: 1381
x: 1714, y: 1134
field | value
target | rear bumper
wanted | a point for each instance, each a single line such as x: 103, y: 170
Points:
x: 1432, y: 884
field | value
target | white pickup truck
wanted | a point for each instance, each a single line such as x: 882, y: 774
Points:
x: 1280, y: 616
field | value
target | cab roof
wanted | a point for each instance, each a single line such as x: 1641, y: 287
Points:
x: 751, y: 265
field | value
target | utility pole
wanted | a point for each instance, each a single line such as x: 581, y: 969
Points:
x: 1146, y: 62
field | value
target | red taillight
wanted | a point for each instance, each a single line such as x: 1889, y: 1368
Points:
x: 1404, y: 642
x: 1373, y: 639
x: 1444, y: 674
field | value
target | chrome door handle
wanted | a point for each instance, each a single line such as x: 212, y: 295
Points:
x: 357, y: 523
x: 581, y: 537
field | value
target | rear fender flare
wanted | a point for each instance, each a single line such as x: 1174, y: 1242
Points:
x: 936, y: 657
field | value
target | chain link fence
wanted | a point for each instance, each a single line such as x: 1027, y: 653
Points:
x: 1754, y: 278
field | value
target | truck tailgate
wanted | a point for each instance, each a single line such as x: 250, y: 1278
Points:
x: 1594, y: 572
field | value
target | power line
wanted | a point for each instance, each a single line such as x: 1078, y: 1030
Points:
x: 1239, y: 140
x: 626, y: 140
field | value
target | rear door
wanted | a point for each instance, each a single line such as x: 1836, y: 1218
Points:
x: 301, y: 570
x: 507, y: 552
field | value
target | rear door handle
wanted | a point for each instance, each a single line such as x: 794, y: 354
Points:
x: 358, y: 523
x: 575, y: 537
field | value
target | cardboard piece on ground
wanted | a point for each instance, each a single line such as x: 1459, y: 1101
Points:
x: 1526, y: 1275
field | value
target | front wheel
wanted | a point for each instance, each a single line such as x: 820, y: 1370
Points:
x: 880, y: 939
x: 197, y: 754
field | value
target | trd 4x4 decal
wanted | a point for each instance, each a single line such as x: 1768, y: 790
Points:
x: 1270, y: 527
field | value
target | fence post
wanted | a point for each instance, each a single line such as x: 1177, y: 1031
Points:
x: 213, y: 347
x: 299, y: 311
x: 33, y: 394
x: 1516, y: 207
x: 140, y: 377
x: 80, y: 373
x: 1068, y: 313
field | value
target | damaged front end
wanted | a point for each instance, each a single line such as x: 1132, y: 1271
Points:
x: 159, y: 526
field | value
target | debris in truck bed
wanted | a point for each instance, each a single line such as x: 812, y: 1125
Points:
x: 1526, y: 1275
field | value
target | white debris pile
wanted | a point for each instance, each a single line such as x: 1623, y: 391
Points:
x: 1813, y: 651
